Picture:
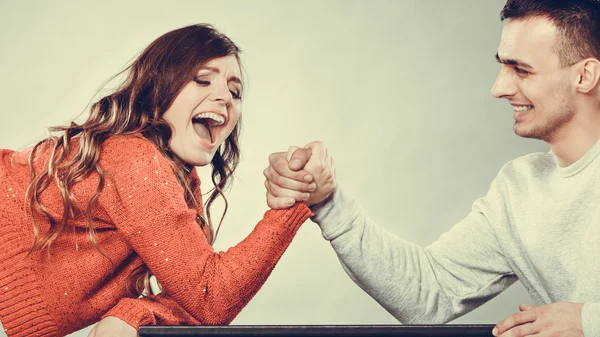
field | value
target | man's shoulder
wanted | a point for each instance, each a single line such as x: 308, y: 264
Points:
x: 531, y: 165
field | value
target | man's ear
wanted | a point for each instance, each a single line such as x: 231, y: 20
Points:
x: 588, y: 75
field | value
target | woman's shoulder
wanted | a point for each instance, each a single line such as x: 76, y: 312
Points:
x: 135, y: 143
x: 139, y: 178
x: 129, y: 149
x: 19, y: 159
x: 6, y: 157
x: 5, y: 153
x: 133, y: 156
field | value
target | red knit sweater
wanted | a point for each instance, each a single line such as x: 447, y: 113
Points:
x: 141, y: 217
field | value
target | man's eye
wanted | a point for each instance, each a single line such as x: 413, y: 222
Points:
x: 235, y: 95
x: 521, y: 71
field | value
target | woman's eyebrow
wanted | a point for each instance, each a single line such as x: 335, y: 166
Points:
x: 217, y: 71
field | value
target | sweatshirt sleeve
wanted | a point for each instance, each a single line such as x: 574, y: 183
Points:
x: 463, y: 269
x: 147, y: 206
x: 590, y: 319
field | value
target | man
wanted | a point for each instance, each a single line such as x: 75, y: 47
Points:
x: 538, y: 223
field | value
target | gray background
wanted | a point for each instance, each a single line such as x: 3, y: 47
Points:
x: 397, y: 90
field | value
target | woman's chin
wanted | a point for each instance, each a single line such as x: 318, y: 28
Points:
x: 198, y: 159
x: 199, y: 162
x: 195, y: 155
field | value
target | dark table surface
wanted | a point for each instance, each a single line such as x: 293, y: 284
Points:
x: 449, y: 330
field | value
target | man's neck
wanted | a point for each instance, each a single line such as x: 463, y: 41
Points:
x: 574, y: 140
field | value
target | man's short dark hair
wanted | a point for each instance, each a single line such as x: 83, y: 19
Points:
x: 577, y: 23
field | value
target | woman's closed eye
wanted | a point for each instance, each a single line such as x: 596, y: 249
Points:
x: 202, y: 82
x: 235, y: 94
x: 205, y: 83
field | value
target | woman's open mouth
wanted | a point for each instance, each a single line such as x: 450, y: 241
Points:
x: 204, y: 124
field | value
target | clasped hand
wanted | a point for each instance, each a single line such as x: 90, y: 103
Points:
x: 302, y: 174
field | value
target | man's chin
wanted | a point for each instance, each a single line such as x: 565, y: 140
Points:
x: 524, y: 132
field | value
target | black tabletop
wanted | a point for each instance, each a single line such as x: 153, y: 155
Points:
x: 449, y: 330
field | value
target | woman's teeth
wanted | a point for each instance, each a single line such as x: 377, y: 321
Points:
x: 210, y: 118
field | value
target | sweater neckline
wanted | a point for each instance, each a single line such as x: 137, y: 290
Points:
x: 580, y: 164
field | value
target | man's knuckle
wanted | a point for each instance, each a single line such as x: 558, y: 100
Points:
x: 278, y: 166
x: 505, y: 324
x: 519, y: 330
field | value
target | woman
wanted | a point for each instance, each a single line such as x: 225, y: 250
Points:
x: 91, y: 212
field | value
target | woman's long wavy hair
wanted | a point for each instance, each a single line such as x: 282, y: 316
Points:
x: 154, y: 80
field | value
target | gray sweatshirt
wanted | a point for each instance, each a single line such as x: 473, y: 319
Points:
x: 539, y: 223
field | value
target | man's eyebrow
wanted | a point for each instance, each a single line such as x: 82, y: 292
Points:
x: 217, y: 71
x: 513, y: 62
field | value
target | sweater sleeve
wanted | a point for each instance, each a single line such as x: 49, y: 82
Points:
x: 155, y: 310
x: 463, y: 269
x: 147, y: 206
